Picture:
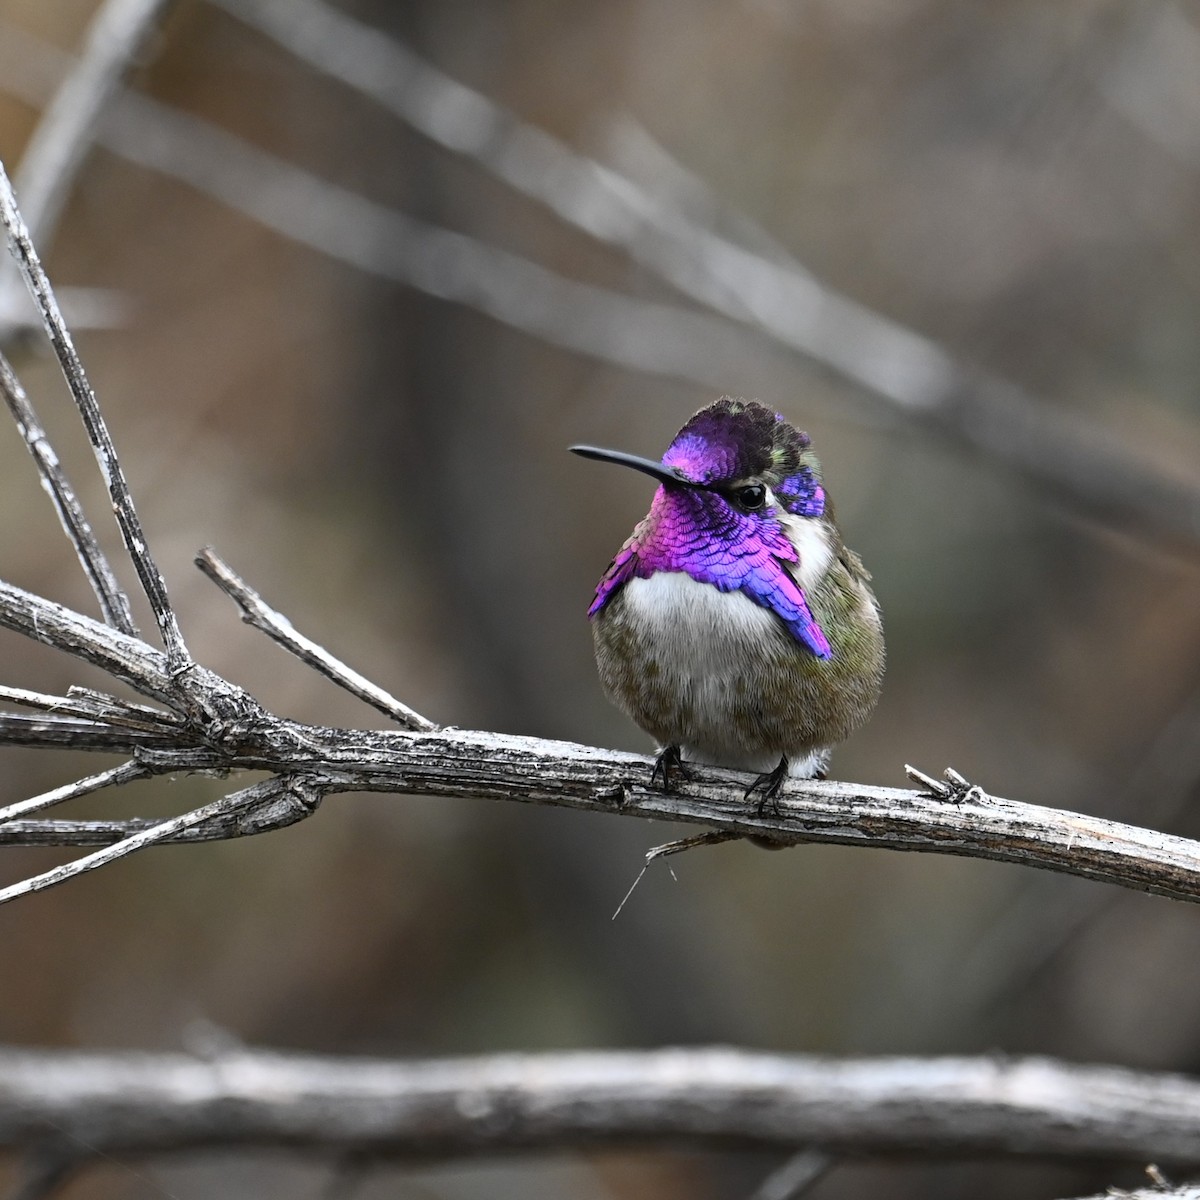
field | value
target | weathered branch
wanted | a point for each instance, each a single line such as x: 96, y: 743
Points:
x: 126, y: 658
x: 114, y: 777
x: 263, y: 817
x: 1036, y: 1108
x: 237, y: 733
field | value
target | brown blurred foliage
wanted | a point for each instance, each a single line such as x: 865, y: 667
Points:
x: 1019, y: 181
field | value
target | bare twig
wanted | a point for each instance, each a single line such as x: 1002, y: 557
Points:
x: 114, y: 776
x: 102, y: 444
x: 712, y: 838
x: 73, y: 734
x: 92, y: 705
x: 277, y: 627
x: 114, y: 604
x: 1069, y: 457
x: 711, y: 1097
x: 290, y: 792
x: 264, y: 817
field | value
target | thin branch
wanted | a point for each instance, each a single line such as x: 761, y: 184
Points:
x: 72, y: 734
x: 1069, y: 457
x: 932, y: 1108
x: 91, y: 705
x: 256, y: 612
x: 114, y: 604
x: 278, y: 790
x: 114, y: 776
x: 102, y: 444
x: 635, y: 153
x: 264, y: 817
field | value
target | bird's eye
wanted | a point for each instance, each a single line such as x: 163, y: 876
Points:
x: 751, y: 497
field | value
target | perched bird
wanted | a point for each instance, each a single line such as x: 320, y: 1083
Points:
x: 734, y: 626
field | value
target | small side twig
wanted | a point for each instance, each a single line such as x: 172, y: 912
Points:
x: 264, y: 817
x: 712, y: 837
x: 956, y: 788
x: 290, y: 790
x: 73, y: 734
x: 114, y: 776
x: 256, y: 612
x: 91, y: 705
x: 114, y: 604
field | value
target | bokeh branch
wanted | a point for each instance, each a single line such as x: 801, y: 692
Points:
x: 66, y: 129
x: 774, y: 296
x: 740, y: 289
x: 930, y: 1108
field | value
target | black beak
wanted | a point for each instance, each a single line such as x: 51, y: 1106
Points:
x: 648, y: 466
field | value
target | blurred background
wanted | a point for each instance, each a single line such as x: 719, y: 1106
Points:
x: 350, y: 357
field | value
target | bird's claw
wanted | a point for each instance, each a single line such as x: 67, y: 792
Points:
x: 667, y: 766
x: 768, y: 785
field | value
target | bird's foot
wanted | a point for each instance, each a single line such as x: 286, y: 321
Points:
x: 668, y: 767
x: 767, y: 786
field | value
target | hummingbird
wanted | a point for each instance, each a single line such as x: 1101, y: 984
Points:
x: 734, y: 625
